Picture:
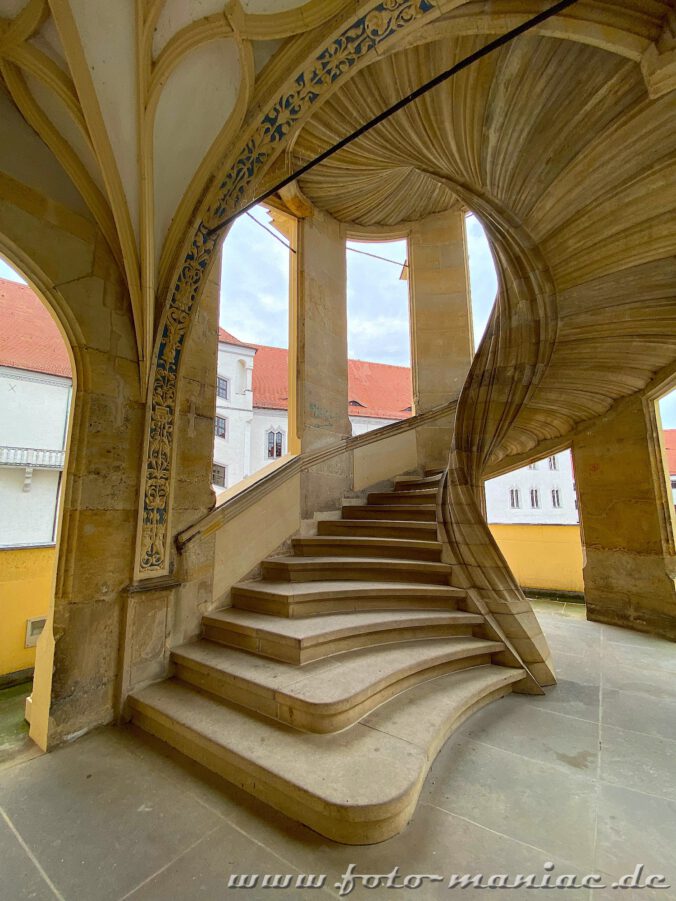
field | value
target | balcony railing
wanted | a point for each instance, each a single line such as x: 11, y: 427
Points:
x: 35, y: 457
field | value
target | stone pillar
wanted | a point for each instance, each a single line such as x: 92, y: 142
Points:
x: 627, y: 520
x: 321, y: 397
x: 321, y: 322
x: 442, y: 345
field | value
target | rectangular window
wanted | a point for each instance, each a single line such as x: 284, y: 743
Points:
x: 553, y: 463
x: 223, y: 388
x: 556, y: 498
x: 218, y: 475
x: 278, y: 445
x: 514, y: 499
x: 271, y: 445
x: 532, y: 466
x: 221, y: 427
x: 534, y: 498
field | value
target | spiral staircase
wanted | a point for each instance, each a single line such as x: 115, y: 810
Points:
x: 330, y: 684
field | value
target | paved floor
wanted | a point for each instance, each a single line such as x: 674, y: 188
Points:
x: 583, y: 780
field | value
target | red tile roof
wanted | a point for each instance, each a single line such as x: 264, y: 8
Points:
x: 670, y: 444
x: 29, y: 337
x: 271, y: 377
x: 383, y: 391
x: 229, y: 338
x: 375, y: 389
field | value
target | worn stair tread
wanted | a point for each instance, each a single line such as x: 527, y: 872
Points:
x: 359, y: 786
x: 423, y: 495
x: 307, y: 631
x: 391, y: 512
x: 369, y: 541
x: 334, y: 684
x: 339, y: 588
x: 375, y: 562
x: 421, y: 524
x: 418, y: 480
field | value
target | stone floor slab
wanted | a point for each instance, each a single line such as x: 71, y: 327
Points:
x: 20, y: 878
x: 633, y: 829
x: 529, y: 801
x: 96, y: 819
x: 563, y: 741
x: 637, y: 761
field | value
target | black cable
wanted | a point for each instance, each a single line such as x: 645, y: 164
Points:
x: 375, y: 256
x: 400, y: 104
x: 273, y: 233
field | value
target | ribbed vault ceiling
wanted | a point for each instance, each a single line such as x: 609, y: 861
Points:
x: 558, y: 141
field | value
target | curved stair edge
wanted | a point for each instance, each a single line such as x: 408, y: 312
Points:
x: 206, y: 729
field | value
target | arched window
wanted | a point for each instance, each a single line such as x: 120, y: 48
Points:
x: 275, y: 444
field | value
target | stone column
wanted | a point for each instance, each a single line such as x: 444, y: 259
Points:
x: 627, y: 519
x: 442, y: 344
x: 321, y: 322
x: 321, y: 396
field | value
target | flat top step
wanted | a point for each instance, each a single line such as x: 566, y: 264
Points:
x: 406, y: 508
x: 334, y: 683
x: 420, y: 480
x: 370, y: 562
x: 422, y: 524
x: 421, y: 492
x: 314, y: 629
x: 346, y: 589
x: 374, y: 541
x: 377, y: 762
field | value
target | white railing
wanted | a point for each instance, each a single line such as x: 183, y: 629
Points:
x: 34, y: 457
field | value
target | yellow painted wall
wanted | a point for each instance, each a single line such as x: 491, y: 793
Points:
x: 542, y: 556
x: 25, y: 588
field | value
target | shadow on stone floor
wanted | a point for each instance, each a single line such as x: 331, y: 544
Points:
x: 584, y: 778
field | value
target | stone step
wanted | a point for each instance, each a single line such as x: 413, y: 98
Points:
x: 413, y: 483
x: 330, y: 694
x: 423, y: 496
x: 313, y: 569
x: 377, y: 528
x: 392, y: 512
x: 365, y: 546
x: 302, y: 640
x: 358, y: 787
x: 293, y: 599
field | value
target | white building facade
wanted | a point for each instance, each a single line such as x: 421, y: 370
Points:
x: 34, y: 408
x: 234, y: 412
x: 543, y: 492
x: 252, y: 422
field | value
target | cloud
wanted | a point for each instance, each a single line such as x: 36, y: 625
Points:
x: 255, y: 290
x: 482, y: 276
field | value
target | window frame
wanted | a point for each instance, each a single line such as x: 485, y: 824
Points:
x: 222, y: 381
x: 222, y: 466
x: 276, y: 445
x: 535, y: 496
x: 514, y: 499
x: 218, y: 419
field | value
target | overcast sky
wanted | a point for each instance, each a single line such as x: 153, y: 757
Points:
x: 255, y: 285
